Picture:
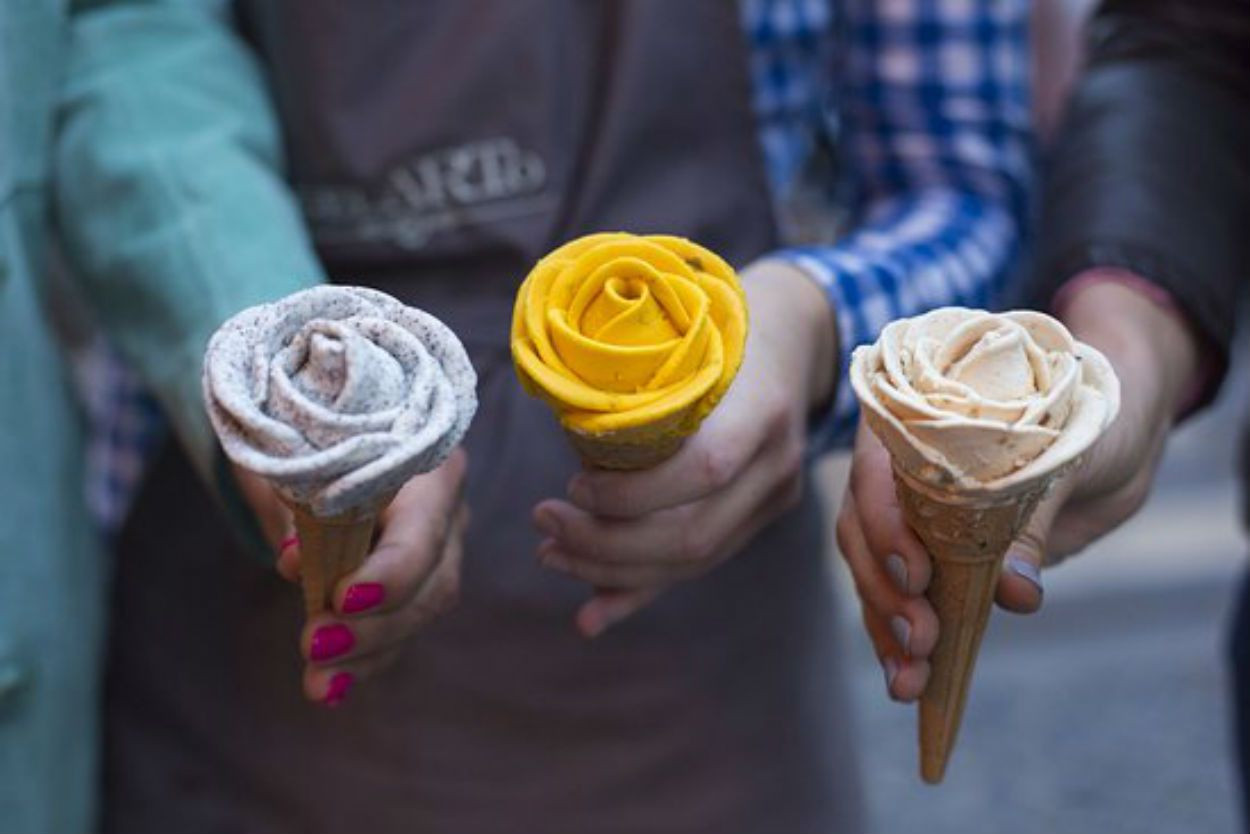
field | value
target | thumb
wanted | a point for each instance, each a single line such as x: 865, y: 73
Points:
x: 1020, y: 584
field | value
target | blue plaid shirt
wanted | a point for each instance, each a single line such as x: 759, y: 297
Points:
x: 927, y: 105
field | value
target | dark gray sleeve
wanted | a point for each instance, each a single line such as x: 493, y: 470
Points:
x: 1151, y: 170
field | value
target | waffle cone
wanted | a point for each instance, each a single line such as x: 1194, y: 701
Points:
x: 967, y: 541
x: 638, y: 447
x: 330, y: 548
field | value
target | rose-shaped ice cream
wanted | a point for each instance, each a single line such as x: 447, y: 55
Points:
x: 983, y: 403
x: 338, y: 395
x: 617, y: 331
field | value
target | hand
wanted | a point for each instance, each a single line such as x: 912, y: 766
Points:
x: 1154, y: 356
x: 411, y: 576
x: 631, y: 535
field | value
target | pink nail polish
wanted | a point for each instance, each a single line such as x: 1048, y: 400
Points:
x: 331, y: 641
x: 339, y: 686
x: 363, y: 596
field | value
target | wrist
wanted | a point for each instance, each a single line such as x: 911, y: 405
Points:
x: 790, y: 311
x: 1149, y: 343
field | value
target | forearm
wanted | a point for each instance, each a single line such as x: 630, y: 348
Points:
x: 937, y: 165
x: 789, y: 310
x: 1147, y: 173
x: 169, y: 191
x: 931, y: 248
x: 1156, y: 355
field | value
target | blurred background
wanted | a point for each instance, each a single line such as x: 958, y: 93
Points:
x: 1109, y: 711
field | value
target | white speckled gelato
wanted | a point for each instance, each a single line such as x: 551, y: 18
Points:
x: 983, y: 403
x: 338, y: 395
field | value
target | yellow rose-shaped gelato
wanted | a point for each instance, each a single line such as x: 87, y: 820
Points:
x: 983, y: 402
x: 618, y: 332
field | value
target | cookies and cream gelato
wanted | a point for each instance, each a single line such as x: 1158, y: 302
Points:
x: 338, y: 395
x: 979, y: 402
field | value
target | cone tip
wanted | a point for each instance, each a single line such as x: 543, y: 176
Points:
x: 932, y: 768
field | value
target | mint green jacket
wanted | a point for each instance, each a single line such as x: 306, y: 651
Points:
x: 140, y: 134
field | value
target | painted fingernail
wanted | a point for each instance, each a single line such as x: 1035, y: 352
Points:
x: 363, y: 596
x: 331, y: 641
x: 902, y: 632
x: 1026, y: 569
x: 890, y: 665
x: 896, y: 566
x: 339, y: 686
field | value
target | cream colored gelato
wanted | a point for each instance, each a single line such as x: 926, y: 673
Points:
x: 338, y: 395
x: 983, y: 403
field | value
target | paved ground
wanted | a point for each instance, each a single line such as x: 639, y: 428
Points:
x: 1107, y: 712
x: 1101, y: 715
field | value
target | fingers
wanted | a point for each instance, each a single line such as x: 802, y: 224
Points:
x: 706, y: 464
x: 330, y: 685
x: 413, y: 533
x: 890, y: 569
x: 889, y: 539
x: 908, y: 619
x: 1020, y: 584
x: 412, y: 577
x: 671, y: 544
x: 340, y: 653
x: 904, y: 676
x: 610, y: 606
x: 288, y: 556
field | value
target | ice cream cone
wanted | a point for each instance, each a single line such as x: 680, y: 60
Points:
x: 330, y: 548
x: 967, y: 542
x: 631, y: 340
x: 637, y: 447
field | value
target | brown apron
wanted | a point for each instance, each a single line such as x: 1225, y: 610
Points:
x: 439, y: 148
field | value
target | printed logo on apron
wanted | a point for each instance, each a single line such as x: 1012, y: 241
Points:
x: 444, y: 190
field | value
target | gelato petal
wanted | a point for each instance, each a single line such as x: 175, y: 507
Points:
x: 981, y: 402
x: 338, y: 395
x: 617, y: 331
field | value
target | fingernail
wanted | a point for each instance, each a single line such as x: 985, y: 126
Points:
x: 331, y: 641
x: 549, y: 524
x: 902, y: 632
x: 290, y: 541
x: 896, y: 566
x: 891, y: 672
x: 362, y: 597
x: 339, y: 686
x: 1026, y: 569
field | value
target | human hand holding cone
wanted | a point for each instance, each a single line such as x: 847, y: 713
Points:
x: 332, y: 547
x: 632, y: 340
x: 337, y: 396
x: 980, y: 414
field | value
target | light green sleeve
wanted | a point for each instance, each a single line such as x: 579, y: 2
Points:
x: 169, y: 192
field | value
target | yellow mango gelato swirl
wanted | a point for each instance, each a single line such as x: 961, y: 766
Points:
x: 616, y: 331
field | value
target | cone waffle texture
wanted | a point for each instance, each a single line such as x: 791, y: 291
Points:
x: 331, y: 548
x: 967, y: 541
x: 638, y: 447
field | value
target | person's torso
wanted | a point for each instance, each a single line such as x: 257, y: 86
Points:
x: 440, y: 149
